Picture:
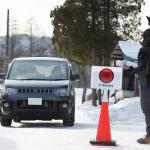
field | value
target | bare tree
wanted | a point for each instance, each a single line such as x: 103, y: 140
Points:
x: 13, y: 38
x: 32, y: 27
x: 30, y: 23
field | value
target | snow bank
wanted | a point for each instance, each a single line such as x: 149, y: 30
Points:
x: 127, y: 111
x: 85, y: 110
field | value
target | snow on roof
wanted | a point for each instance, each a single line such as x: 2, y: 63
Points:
x: 130, y: 49
x: 42, y: 58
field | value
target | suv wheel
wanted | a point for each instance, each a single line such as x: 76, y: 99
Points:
x: 0, y: 115
x: 0, y: 112
x: 6, y: 121
x: 68, y: 123
x: 71, y: 118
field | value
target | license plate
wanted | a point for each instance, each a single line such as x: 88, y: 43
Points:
x: 34, y: 101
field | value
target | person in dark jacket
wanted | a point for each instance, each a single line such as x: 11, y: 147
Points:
x: 143, y: 71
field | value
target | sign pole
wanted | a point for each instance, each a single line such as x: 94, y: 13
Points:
x: 105, y: 96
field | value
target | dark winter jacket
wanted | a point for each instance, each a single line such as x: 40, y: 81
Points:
x: 143, y: 63
x: 143, y: 69
x: 144, y: 56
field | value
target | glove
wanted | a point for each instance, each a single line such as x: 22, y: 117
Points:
x: 131, y: 69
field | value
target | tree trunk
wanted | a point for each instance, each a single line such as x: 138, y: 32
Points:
x: 84, y: 94
x: 84, y: 81
x: 99, y: 97
x: 94, y: 97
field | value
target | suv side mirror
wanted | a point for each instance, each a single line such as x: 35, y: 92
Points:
x: 75, y: 77
x: 2, y: 77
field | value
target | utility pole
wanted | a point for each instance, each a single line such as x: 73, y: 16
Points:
x: 93, y: 10
x: 7, y: 36
x: 13, y: 39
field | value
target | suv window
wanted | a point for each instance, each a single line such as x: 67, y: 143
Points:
x: 38, y: 70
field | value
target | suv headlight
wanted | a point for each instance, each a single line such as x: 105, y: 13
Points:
x: 10, y: 91
x: 61, y: 92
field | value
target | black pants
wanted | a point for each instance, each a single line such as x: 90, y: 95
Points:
x: 145, y: 105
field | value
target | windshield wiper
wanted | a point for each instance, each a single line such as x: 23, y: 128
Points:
x: 58, y: 79
x: 33, y: 79
x: 41, y: 79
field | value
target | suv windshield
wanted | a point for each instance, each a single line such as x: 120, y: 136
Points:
x: 38, y: 70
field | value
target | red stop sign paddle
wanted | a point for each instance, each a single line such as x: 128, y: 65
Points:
x: 106, y: 75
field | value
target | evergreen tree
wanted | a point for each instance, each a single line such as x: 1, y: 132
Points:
x: 83, y: 25
x: 86, y: 31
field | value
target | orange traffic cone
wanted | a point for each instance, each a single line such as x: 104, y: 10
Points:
x: 103, y: 136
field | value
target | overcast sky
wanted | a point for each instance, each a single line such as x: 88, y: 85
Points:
x: 145, y: 12
x: 22, y: 10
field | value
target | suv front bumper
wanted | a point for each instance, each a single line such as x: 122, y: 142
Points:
x: 51, y: 108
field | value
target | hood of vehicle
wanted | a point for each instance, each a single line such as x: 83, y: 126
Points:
x: 33, y: 83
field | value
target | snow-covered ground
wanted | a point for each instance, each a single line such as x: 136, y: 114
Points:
x: 127, y: 125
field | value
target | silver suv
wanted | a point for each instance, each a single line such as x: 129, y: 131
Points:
x: 38, y: 88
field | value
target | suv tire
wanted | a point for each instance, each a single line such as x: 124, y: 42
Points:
x: 68, y: 123
x: 6, y: 121
x: 71, y: 118
x: 0, y: 114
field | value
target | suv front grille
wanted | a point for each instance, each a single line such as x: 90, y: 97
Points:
x: 35, y: 90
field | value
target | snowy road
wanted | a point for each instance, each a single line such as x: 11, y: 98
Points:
x: 126, y: 123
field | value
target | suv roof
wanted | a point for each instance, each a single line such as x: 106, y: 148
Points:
x: 41, y: 58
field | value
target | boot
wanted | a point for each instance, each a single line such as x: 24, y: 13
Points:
x: 144, y: 140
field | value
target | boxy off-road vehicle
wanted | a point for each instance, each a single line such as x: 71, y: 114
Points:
x: 38, y: 88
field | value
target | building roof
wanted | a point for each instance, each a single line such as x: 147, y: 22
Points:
x: 129, y: 49
x: 126, y: 50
